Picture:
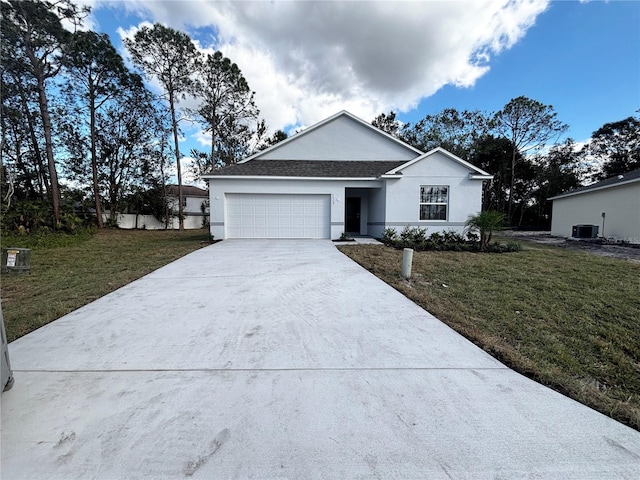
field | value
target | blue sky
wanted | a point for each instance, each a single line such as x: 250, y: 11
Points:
x: 582, y: 58
x: 309, y: 60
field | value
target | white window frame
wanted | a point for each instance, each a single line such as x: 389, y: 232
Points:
x: 437, y: 201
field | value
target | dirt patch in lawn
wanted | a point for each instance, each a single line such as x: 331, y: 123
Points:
x: 625, y: 252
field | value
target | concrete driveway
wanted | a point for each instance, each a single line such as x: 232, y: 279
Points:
x: 284, y: 359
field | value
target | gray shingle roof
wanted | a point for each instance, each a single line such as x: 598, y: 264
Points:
x: 309, y: 168
x: 187, y: 190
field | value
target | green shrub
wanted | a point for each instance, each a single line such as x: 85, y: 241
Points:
x: 35, y: 216
x: 449, y: 240
x: 451, y: 236
x: 435, y: 238
x: 70, y: 222
x: 389, y: 236
x: 47, y: 238
x: 112, y: 223
x: 26, y: 216
x: 413, y: 236
x: 472, y: 236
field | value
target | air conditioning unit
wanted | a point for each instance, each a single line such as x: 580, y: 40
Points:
x: 584, y: 231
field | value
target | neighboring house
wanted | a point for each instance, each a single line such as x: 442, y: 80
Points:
x: 342, y: 175
x: 192, y: 200
x: 613, y: 205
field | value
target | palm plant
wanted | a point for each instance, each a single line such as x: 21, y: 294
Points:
x: 484, y: 224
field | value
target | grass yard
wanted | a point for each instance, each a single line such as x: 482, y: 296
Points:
x: 566, y: 319
x: 68, y: 272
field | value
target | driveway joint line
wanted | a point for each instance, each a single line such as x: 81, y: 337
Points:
x: 160, y: 370
x: 258, y: 274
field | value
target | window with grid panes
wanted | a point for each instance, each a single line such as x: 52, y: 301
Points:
x: 434, y: 200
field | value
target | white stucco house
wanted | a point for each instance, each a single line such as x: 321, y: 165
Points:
x: 613, y: 205
x: 194, y: 200
x: 342, y: 175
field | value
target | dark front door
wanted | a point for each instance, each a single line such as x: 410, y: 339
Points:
x: 352, y: 221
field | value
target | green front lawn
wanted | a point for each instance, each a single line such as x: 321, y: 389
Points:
x: 69, y: 271
x: 567, y: 319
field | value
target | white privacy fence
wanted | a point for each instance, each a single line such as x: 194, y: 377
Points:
x: 149, y: 222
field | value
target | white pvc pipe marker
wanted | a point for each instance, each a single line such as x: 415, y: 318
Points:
x: 407, y: 260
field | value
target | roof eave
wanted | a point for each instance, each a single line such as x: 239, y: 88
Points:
x: 270, y: 177
x: 455, y: 158
x: 480, y: 177
x: 594, y: 189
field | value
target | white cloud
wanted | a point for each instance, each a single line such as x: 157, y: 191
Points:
x: 203, y: 138
x: 308, y: 60
x: 188, y: 177
x: 88, y: 21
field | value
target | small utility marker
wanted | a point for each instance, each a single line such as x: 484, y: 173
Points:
x: 407, y: 260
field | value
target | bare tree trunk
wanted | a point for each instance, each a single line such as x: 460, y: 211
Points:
x: 22, y: 166
x: 522, y: 209
x: 94, y: 163
x: 113, y: 190
x: 42, y: 177
x: 113, y: 199
x: 214, y: 127
x: 53, y: 174
x: 165, y: 203
x: 513, y: 168
x: 174, y: 123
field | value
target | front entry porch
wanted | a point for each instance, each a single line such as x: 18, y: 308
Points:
x: 362, y: 207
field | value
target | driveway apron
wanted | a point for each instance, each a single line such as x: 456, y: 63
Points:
x: 284, y: 359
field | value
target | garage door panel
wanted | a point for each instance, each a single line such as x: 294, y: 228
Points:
x: 285, y: 222
x: 278, y: 216
x: 233, y: 209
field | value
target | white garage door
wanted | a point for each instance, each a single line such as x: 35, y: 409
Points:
x: 278, y: 216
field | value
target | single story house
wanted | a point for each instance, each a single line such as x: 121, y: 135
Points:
x: 613, y: 205
x: 342, y: 175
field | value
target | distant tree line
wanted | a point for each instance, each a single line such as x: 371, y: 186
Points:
x: 80, y: 131
x: 82, y: 134
x: 519, y: 146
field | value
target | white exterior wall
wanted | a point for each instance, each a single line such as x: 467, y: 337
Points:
x: 127, y: 221
x: 403, y: 195
x: 334, y: 188
x: 620, y: 203
x: 340, y: 139
x: 377, y: 211
x: 193, y: 204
